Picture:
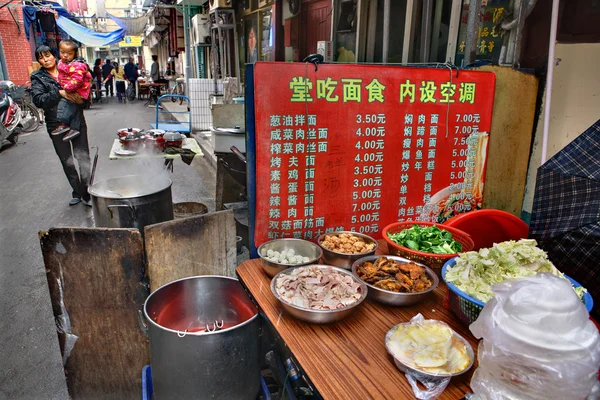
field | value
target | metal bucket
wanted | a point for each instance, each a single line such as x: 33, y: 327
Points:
x: 132, y: 201
x: 204, y: 340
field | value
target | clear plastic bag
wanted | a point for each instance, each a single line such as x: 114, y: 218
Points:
x: 538, y: 342
x: 434, y: 385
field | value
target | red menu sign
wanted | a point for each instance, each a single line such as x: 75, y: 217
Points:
x: 351, y: 147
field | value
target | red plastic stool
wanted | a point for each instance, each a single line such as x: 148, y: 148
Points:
x: 487, y: 227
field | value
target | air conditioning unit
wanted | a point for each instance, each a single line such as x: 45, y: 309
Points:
x: 201, y: 26
x: 214, y: 4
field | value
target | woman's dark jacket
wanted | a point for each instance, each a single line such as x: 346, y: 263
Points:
x: 45, y: 95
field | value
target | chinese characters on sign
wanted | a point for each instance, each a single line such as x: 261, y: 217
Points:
x: 356, y: 148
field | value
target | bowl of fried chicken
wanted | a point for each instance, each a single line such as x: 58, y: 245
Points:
x: 394, y: 280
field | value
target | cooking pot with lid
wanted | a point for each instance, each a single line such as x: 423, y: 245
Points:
x: 132, y: 201
x: 128, y: 131
x: 173, y: 139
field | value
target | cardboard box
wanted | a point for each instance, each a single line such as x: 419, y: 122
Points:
x: 325, y: 48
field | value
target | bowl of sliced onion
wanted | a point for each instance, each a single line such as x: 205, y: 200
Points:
x: 318, y: 294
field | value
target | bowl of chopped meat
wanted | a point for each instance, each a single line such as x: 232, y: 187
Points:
x: 341, y: 249
x: 395, y: 281
x: 318, y: 294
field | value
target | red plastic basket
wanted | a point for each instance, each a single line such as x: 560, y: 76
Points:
x: 435, y: 261
x: 488, y: 226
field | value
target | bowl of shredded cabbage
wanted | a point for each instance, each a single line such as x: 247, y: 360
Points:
x: 471, y: 275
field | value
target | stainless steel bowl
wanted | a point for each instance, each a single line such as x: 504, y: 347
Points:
x: 319, y: 316
x: 344, y: 260
x: 395, y: 298
x: 301, y: 247
x: 402, y: 366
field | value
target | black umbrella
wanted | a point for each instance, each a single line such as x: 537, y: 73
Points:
x: 565, y: 218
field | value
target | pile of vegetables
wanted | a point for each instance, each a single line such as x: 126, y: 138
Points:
x: 476, y: 272
x: 430, y: 239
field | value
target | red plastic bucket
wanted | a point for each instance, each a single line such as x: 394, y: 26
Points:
x: 487, y: 227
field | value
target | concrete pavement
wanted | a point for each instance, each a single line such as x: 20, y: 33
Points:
x: 34, y: 196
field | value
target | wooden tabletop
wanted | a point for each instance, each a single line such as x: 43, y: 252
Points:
x: 348, y: 359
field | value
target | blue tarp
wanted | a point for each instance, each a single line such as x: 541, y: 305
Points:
x: 88, y: 36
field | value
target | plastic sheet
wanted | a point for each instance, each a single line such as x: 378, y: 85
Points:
x: 538, y: 343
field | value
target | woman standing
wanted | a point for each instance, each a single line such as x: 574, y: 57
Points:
x: 46, y: 93
x: 98, y: 77
x: 117, y: 73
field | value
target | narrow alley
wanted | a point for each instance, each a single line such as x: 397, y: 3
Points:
x: 36, y: 193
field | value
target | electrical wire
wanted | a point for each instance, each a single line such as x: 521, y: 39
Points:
x: 284, y: 385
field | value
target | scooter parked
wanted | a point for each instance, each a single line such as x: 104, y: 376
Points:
x: 10, y: 115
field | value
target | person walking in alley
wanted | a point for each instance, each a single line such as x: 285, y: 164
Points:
x: 154, y: 70
x: 46, y: 94
x: 106, y: 69
x: 97, y: 74
x: 118, y: 75
x: 131, y: 75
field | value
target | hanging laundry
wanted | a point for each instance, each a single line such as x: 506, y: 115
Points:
x: 47, y: 21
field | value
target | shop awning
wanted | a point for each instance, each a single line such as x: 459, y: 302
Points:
x: 88, y: 36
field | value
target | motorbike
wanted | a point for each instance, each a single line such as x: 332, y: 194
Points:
x: 10, y: 115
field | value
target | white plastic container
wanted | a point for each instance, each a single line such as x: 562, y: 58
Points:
x: 227, y: 137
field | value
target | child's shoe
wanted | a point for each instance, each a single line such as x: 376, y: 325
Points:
x: 61, y: 128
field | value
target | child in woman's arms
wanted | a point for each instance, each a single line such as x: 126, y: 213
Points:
x: 74, y: 77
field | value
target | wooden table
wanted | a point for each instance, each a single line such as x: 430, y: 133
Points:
x: 348, y: 359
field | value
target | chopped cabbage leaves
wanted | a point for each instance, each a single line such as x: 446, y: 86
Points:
x: 475, y: 272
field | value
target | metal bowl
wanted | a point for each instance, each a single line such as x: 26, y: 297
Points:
x: 319, y: 316
x: 395, y: 298
x: 301, y: 247
x: 402, y: 366
x: 344, y: 260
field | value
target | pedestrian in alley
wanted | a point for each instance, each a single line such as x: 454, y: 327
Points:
x: 46, y: 94
x: 118, y: 75
x: 106, y: 69
x: 97, y: 73
x: 131, y: 74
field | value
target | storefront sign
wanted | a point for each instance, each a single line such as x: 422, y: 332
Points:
x: 131, y: 41
x: 358, y: 147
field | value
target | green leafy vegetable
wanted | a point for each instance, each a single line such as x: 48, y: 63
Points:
x: 475, y: 272
x: 430, y: 239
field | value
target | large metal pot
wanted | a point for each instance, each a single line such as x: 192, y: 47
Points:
x: 189, y: 362
x: 132, y: 201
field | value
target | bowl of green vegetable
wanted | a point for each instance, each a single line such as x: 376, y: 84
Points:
x: 426, y: 242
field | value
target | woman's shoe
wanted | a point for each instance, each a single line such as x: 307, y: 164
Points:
x: 75, y: 200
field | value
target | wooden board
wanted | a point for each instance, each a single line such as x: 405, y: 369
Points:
x: 348, y: 360
x: 200, y: 245
x: 510, y: 139
x: 98, y: 275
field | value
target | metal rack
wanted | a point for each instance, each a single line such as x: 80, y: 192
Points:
x: 222, y: 26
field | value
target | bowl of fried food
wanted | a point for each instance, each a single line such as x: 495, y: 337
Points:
x: 341, y: 249
x: 395, y: 281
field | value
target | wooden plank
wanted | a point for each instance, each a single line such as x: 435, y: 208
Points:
x: 96, y: 275
x: 200, y: 245
x: 510, y: 139
x: 348, y: 359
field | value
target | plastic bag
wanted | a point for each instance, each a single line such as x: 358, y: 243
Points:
x: 434, y: 385
x: 538, y: 342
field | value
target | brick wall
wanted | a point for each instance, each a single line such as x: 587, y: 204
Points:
x: 17, y: 50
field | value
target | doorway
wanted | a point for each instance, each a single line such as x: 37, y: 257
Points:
x: 316, y: 25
